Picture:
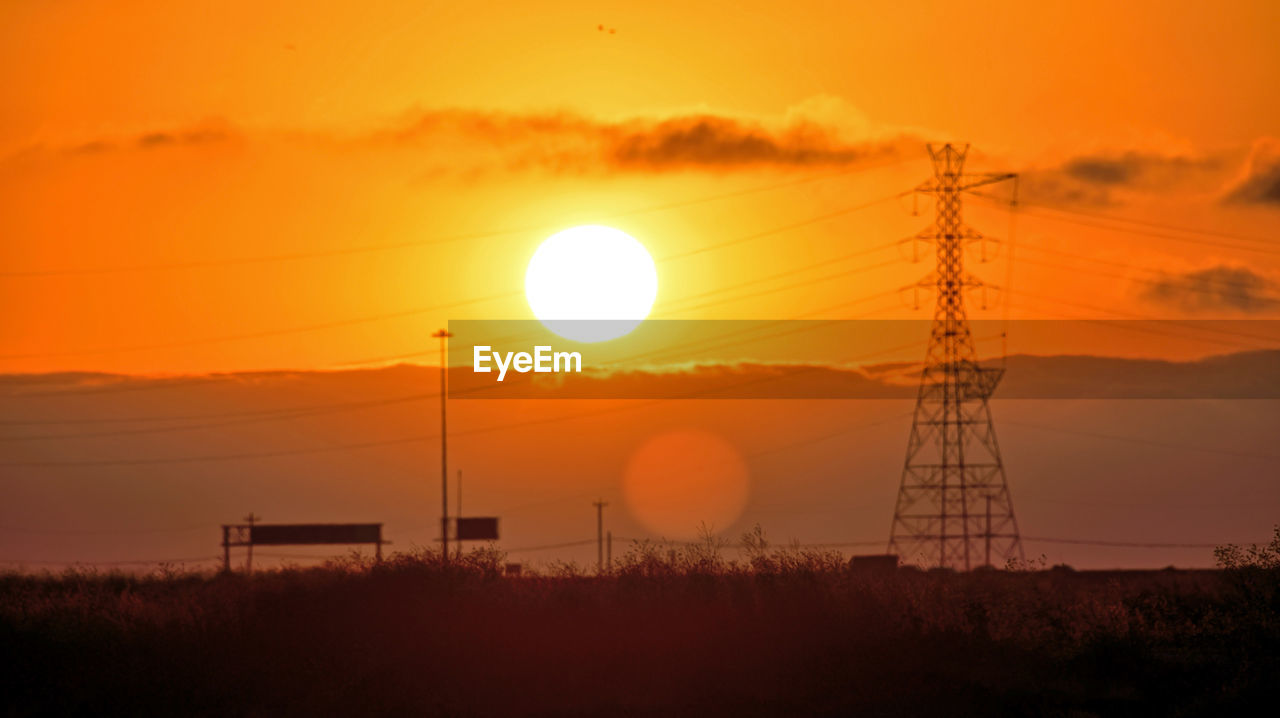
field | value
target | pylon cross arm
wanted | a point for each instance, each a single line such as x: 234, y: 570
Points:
x: 973, y: 181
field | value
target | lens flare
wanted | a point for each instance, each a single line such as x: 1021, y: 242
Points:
x: 677, y: 481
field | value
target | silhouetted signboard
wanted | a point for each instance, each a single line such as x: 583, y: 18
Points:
x: 251, y: 535
x: 300, y: 534
x: 478, y: 529
x: 875, y: 563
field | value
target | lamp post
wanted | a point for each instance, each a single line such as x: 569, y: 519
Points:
x: 443, y: 335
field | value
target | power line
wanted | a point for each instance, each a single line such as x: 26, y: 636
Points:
x: 323, y: 557
x: 784, y: 228
x: 197, y: 559
x: 257, y: 416
x: 659, y: 542
x: 710, y: 343
x: 419, y: 311
x: 1124, y: 544
x: 302, y: 412
x: 260, y: 334
x: 316, y: 254
x: 273, y: 416
x: 1221, y: 281
x: 806, y: 283
x: 288, y: 411
x: 840, y: 544
x: 152, y: 385
x: 384, y: 359
x: 147, y: 385
x: 252, y: 417
x: 94, y: 532
x: 403, y: 440
x: 307, y: 411
x: 740, y: 285
x: 1142, y: 232
x: 1131, y: 220
x: 1148, y: 442
x: 785, y: 287
x: 738, y: 546
x: 1144, y: 505
x: 729, y: 300
x: 548, y: 547
x: 1156, y: 330
x: 817, y: 439
x: 779, y: 275
x: 1152, y: 282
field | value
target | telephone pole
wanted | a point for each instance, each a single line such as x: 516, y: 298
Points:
x: 458, y: 512
x: 443, y: 335
x: 600, y: 504
x: 953, y: 461
x: 248, y: 561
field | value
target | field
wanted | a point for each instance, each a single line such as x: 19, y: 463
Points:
x: 668, y: 632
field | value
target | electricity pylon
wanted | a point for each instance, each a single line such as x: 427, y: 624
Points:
x: 954, y: 508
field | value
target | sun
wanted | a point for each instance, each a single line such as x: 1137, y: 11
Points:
x: 591, y: 283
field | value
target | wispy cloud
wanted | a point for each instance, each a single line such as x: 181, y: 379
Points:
x: 1259, y: 180
x: 1100, y: 178
x: 569, y: 142
x: 711, y: 141
x: 208, y: 132
x: 813, y: 134
x: 1217, y: 288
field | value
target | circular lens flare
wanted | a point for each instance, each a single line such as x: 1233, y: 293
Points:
x: 678, y: 481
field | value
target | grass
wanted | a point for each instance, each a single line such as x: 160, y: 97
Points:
x: 671, y: 631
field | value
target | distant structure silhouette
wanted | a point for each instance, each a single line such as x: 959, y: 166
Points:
x: 953, y: 509
x: 600, y: 504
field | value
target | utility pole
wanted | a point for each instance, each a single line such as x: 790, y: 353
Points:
x: 248, y: 561
x: 608, y: 550
x: 226, y: 549
x: 458, y: 513
x: 953, y: 460
x: 600, y: 504
x: 443, y: 335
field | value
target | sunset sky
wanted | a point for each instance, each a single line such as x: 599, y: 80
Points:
x: 202, y: 187
x: 208, y: 176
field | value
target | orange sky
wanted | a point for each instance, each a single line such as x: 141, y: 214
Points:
x: 177, y: 134
x: 232, y: 186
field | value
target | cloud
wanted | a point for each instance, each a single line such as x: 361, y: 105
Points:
x: 1238, y: 375
x: 1259, y: 180
x: 808, y: 136
x: 1216, y: 288
x: 208, y: 132
x: 720, y: 142
x: 1059, y: 188
x: 194, y: 136
x: 715, y: 380
x: 1102, y: 170
x: 822, y: 131
x: 1099, y: 178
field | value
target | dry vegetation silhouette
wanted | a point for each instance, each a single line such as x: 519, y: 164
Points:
x: 671, y: 630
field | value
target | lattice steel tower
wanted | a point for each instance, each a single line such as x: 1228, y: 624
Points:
x: 954, y: 508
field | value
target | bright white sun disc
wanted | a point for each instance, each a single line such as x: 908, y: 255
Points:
x: 591, y: 283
